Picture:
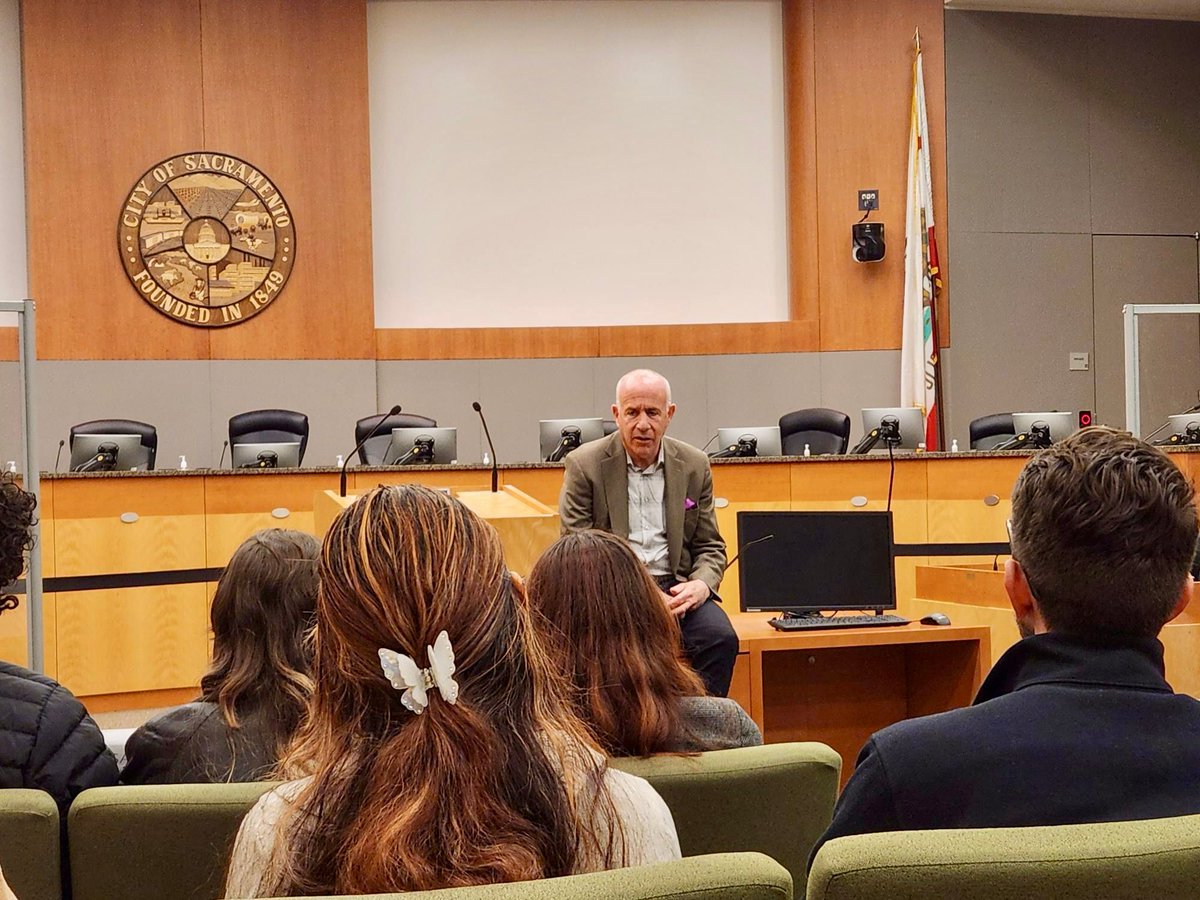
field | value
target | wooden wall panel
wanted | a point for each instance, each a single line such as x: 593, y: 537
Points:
x: 606, y: 340
x: 799, y: 74
x: 110, y: 89
x: 8, y: 345
x: 285, y: 87
x: 863, y: 58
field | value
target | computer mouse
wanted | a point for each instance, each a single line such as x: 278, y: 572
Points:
x: 935, y: 619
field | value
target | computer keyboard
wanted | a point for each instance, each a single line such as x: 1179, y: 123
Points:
x: 814, y: 622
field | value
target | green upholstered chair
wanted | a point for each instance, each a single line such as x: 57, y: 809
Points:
x: 29, y: 844
x: 140, y: 842
x: 722, y: 876
x: 775, y: 799
x: 1158, y: 858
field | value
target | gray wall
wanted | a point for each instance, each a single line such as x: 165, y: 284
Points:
x: 190, y: 402
x: 1074, y: 150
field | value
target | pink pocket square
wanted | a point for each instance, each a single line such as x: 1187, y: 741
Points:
x: 689, y: 503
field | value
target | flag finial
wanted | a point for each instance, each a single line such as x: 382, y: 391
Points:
x: 917, y: 39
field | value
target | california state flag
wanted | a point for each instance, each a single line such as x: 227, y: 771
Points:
x: 919, y: 372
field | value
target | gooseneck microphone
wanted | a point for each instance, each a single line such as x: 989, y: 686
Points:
x: 224, y: 447
x: 394, y: 411
x: 742, y: 549
x: 58, y: 456
x: 492, y: 447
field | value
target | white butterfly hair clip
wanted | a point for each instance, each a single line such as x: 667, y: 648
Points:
x: 405, y: 675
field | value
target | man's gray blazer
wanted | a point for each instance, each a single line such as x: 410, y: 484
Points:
x: 595, y: 494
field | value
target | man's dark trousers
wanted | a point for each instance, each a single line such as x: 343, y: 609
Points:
x: 709, y: 641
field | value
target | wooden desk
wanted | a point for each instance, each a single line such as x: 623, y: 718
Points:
x: 126, y: 647
x: 839, y: 686
x: 974, y: 595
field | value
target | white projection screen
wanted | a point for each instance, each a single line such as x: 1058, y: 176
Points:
x: 577, y: 162
x: 13, y: 267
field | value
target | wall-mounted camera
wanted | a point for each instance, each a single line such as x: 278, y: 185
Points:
x: 867, y: 241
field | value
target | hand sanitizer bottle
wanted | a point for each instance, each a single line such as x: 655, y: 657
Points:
x: 341, y: 461
x: 182, y: 463
x: 807, y: 450
x: 954, y: 445
x: 11, y: 465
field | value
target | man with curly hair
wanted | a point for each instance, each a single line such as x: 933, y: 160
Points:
x: 47, y: 739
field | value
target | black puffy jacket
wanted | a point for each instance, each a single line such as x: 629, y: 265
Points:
x: 47, y: 739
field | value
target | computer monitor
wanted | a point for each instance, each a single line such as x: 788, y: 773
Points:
x: 286, y: 455
x: 766, y: 441
x: 130, y: 454
x: 816, y: 561
x: 910, y: 418
x: 422, y: 446
x: 1179, y: 424
x: 1062, y: 424
x: 556, y: 439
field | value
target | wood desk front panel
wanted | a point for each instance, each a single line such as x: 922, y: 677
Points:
x: 841, y: 686
x: 197, y: 519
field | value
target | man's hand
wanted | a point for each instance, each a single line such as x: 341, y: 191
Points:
x: 685, y: 596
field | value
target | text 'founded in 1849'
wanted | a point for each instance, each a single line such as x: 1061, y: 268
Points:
x: 206, y: 239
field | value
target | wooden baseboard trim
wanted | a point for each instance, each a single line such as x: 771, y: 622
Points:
x: 596, y: 341
x: 103, y: 703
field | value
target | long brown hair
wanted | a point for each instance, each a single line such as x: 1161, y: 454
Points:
x: 264, y: 606
x: 491, y: 789
x: 616, y: 638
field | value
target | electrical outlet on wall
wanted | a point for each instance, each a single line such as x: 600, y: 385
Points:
x: 1078, y: 362
x: 868, y: 199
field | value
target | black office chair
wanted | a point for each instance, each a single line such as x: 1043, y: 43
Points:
x: 269, y: 426
x: 148, y: 434
x: 610, y: 426
x: 374, y: 451
x: 824, y: 430
x: 991, y: 431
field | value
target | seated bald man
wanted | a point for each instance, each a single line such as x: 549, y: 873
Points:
x: 657, y: 493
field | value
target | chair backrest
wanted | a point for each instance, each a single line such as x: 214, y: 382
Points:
x: 141, y: 842
x: 373, y: 452
x: 29, y: 844
x: 184, y: 833
x: 148, y: 433
x: 1113, y: 860
x: 268, y: 426
x: 721, y: 876
x: 987, y: 432
x: 824, y: 430
x: 775, y: 799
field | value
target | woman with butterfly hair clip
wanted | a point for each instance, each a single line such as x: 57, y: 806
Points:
x: 440, y: 750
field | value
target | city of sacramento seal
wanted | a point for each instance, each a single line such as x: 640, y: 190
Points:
x: 206, y: 239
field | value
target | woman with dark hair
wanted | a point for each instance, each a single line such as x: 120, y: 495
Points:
x: 614, y: 636
x: 255, y: 692
x: 47, y: 740
x: 440, y: 749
